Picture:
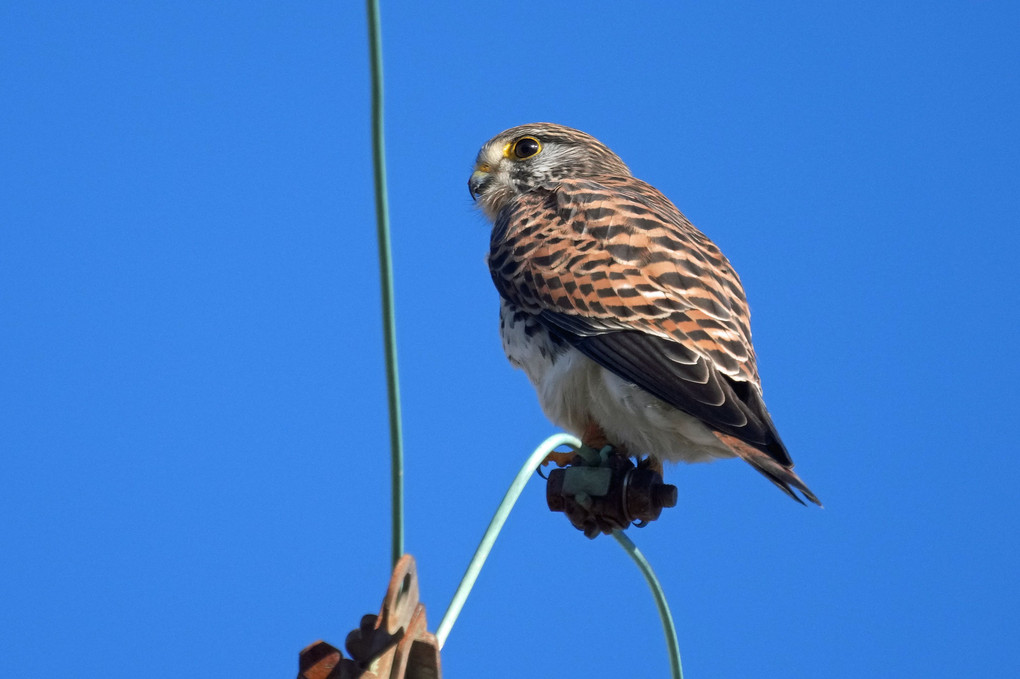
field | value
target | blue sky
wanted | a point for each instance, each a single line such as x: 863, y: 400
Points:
x: 193, y: 444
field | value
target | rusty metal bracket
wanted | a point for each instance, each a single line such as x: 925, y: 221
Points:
x: 606, y: 492
x: 395, y: 644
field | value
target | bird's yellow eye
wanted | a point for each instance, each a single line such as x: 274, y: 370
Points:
x: 525, y: 147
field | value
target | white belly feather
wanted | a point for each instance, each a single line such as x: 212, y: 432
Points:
x: 574, y: 390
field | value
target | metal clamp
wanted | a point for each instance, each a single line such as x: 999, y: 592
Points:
x: 611, y: 495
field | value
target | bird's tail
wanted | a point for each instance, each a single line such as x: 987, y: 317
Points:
x: 779, y: 474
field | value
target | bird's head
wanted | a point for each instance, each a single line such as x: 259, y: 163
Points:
x: 521, y: 158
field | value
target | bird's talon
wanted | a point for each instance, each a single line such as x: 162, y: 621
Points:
x: 652, y: 463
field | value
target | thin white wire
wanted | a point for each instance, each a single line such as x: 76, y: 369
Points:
x: 498, y: 519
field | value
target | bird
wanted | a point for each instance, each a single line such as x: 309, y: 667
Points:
x: 631, y: 325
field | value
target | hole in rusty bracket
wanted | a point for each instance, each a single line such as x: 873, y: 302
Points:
x: 395, y: 644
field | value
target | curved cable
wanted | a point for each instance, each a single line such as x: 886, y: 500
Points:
x: 498, y: 519
x: 672, y: 646
x: 467, y: 582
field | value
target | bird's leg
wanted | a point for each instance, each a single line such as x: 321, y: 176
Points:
x: 592, y: 437
x: 595, y: 437
x: 596, y: 448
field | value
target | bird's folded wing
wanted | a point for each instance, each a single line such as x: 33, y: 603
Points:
x: 680, y: 377
x: 613, y: 268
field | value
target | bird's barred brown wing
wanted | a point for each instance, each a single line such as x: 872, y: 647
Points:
x: 612, y: 267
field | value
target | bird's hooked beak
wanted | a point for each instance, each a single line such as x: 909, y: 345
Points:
x: 480, y: 178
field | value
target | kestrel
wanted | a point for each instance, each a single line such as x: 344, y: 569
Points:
x: 630, y: 323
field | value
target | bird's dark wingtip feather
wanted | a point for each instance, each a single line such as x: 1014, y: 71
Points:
x: 784, y: 478
x: 781, y: 475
